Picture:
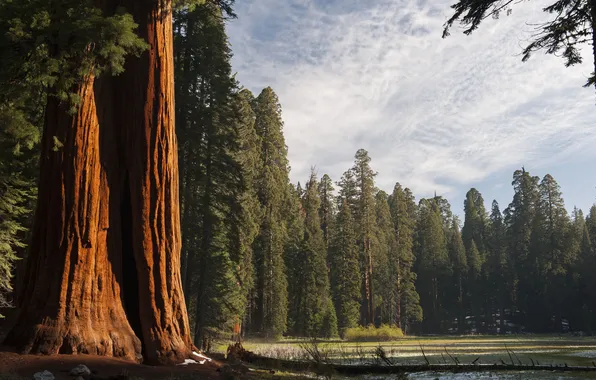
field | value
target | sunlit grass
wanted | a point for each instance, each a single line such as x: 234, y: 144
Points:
x: 542, y: 349
x: 384, y: 333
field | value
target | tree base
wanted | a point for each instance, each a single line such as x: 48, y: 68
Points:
x: 50, y: 338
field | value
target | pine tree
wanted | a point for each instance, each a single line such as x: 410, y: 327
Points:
x: 401, y: 278
x: 327, y: 209
x: 499, y: 268
x: 411, y: 311
x: 21, y: 119
x: 313, y: 303
x: 348, y: 191
x: 365, y: 222
x: 246, y: 212
x: 212, y: 130
x: 459, y: 263
x: 327, y: 212
x: 444, y: 209
x: 591, y: 225
x: 294, y: 257
x: 474, y: 261
x: 432, y: 264
x: 586, y: 281
x: 574, y: 292
x: 410, y: 303
x: 384, y: 251
x: 17, y: 192
x: 519, y: 219
x: 552, y: 253
x: 473, y: 235
x: 475, y: 283
x: 475, y: 220
x: 270, y: 315
x: 345, y: 269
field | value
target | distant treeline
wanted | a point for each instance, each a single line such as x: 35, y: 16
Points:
x: 317, y: 258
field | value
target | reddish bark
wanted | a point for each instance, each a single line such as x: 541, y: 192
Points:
x: 147, y: 90
x: 103, y: 275
x: 71, y: 300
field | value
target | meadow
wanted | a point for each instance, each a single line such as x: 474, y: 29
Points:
x: 512, y: 349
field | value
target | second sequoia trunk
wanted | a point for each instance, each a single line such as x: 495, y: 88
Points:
x: 103, y: 276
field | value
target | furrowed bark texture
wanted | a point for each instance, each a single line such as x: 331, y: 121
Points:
x: 103, y: 274
x: 152, y: 161
x: 71, y: 299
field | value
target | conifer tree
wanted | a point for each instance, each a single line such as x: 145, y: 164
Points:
x: 444, y: 209
x: 404, y: 299
x: 294, y: 257
x: 327, y: 209
x: 432, y: 264
x: 574, y: 296
x: 365, y: 222
x: 475, y: 283
x: 475, y: 220
x: 500, y: 271
x: 270, y: 315
x: 586, y: 283
x: 474, y: 262
x: 348, y: 191
x: 519, y: 219
x: 313, y: 307
x: 554, y: 222
x: 299, y: 190
x: 473, y: 235
x: 384, y: 252
x: 21, y: 118
x: 246, y: 212
x: 591, y: 225
x: 345, y: 269
x: 411, y: 311
x: 552, y: 254
x: 459, y: 263
x: 327, y: 213
x: 17, y: 194
x: 211, y: 151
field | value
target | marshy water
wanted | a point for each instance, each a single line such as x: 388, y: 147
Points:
x: 520, y: 351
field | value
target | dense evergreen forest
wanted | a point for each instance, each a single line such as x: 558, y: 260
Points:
x: 309, y: 259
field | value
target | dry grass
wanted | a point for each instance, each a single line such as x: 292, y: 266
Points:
x: 408, y: 350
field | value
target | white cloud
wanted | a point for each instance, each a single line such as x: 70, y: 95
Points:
x: 434, y: 114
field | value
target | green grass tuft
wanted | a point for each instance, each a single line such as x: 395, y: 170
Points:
x: 384, y: 333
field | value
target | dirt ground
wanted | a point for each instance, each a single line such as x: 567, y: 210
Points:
x: 102, y: 367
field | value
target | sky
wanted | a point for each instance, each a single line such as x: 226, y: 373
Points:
x: 434, y: 114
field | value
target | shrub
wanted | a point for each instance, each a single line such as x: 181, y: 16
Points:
x: 373, y: 334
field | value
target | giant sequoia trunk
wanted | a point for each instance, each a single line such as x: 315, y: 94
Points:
x: 103, y: 276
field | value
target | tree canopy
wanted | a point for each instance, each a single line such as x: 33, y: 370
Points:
x: 572, y: 25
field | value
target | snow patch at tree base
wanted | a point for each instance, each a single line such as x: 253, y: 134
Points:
x: 205, y: 358
x: 190, y: 361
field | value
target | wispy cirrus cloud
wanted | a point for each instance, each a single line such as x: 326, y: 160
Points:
x: 434, y: 114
